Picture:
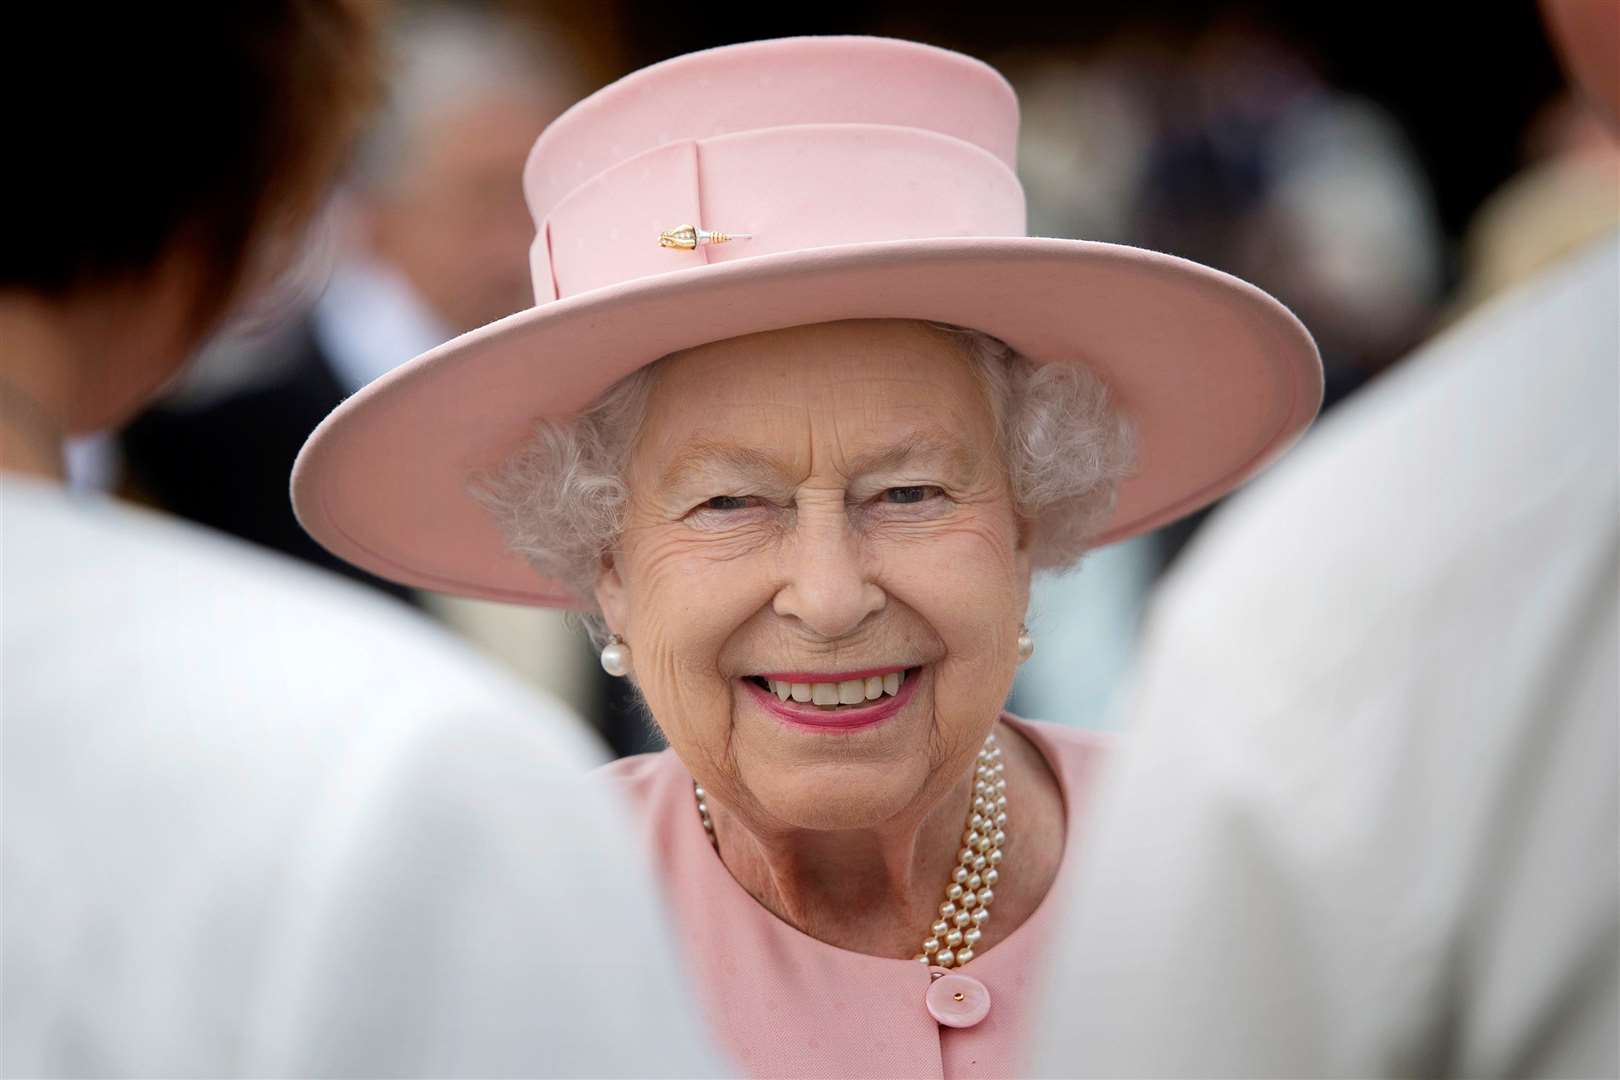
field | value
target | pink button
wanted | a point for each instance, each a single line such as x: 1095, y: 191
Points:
x: 958, y: 1001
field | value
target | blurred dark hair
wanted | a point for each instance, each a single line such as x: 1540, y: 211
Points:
x: 147, y: 130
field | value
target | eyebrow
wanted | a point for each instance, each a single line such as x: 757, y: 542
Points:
x: 698, y: 456
x: 923, y: 446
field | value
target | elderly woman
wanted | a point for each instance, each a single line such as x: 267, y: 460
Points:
x: 796, y: 416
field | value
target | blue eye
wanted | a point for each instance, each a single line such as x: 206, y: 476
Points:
x: 728, y: 502
x: 914, y: 494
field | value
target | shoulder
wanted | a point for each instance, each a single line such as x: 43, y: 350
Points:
x: 1062, y: 743
x: 1072, y: 754
x: 92, y: 552
x: 106, y: 599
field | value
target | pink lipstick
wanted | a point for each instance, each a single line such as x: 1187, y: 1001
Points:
x: 846, y: 718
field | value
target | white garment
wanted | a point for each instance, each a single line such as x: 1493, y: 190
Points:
x: 258, y: 822
x: 1366, y: 821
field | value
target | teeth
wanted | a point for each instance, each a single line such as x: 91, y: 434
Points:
x: 849, y: 692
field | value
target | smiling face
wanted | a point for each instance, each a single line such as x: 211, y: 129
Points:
x: 825, y: 505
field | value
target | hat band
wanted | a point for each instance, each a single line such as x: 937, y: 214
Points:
x: 787, y: 188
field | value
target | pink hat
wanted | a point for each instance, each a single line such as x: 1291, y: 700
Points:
x: 873, y: 178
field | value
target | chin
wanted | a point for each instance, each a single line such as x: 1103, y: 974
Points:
x: 836, y: 796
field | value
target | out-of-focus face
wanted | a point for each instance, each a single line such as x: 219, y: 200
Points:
x: 821, y: 505
x: 1584, y: 33
x: 455, y: 222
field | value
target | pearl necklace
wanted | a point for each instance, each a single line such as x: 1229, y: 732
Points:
x: 966, y: 909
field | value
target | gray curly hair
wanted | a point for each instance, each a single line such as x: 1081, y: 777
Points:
x: 560, y: 500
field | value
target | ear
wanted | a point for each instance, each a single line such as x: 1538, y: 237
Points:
x: 611, y: 595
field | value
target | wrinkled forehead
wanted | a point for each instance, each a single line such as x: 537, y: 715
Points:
x: 847, y: 395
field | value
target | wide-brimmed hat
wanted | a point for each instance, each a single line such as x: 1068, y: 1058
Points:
x: 857, y: 177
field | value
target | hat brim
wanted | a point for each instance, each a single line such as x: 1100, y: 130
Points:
x: 1218, y: 377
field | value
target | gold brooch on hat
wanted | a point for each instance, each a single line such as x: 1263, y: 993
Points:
x: 688, y: 237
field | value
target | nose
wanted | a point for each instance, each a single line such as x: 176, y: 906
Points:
x: 826, y: 587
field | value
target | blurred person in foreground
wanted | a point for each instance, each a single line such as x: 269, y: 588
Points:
x: 427, y: 235
x: 1366, y: 822
x: 253, y: 821
x: 797, y: 479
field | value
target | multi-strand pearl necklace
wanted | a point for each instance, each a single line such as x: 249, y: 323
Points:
x: 952, y: 937
x: 962, y: 916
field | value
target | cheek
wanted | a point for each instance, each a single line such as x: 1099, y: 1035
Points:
x: 970, y: 584
x: 684, y: 603
x: 968, y: 569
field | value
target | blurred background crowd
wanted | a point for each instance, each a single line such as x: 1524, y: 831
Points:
x: 1314, y: 150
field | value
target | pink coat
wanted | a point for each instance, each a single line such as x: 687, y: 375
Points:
x: 787, y: 1005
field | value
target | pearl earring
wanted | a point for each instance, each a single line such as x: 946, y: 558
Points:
x: 616, y: 657
x: 1026, y: 644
